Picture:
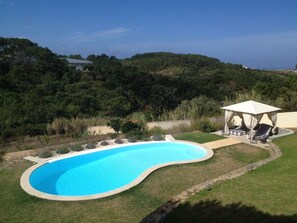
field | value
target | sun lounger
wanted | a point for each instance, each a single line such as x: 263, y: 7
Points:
x: 263, y: 133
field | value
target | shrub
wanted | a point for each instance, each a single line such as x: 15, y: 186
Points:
x: 77, y: 148
x: 104, y: 143
x: 146, y: 138
x: 195, y: 108
x: 132, y: 139
x: 131, y: 126
x: 156, y: 131
x: 46, y: 154
x: 118, y: 141
x: 57, y: 126
x: 62, y: 151
x: 73, y: 127
x: 112, y: 135
x: 1, y: 155
x: 136, y: 133
x: 158, y: 137
x: 139, y: 117
x: 32, y: 130
x: 204, y: 125
x: 91, y: 146
x: 115, y: 124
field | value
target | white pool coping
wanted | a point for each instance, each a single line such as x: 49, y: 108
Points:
x: 25, y: 182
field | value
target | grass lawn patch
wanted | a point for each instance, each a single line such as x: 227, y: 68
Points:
x: 130, y: 206
x: 267, y: 194
x: 198, y: 137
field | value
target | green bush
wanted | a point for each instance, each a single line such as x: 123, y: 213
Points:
x: 1, y: 155
x: 46, y: 154
x: 145, y: 138
x: 77, y: 148
x: 118, y: 141
x: 112, y: 135
x: 91, y: 146
x: 104, y: 143
x: 204, y: 125
x: 132, y: 139
x: 129, y: 126
x: 115, y: 124
x: 136, y: 133
x: 62, y: 151
x: 158, y: 137
x: 156, y: 131
x: 73, y: 127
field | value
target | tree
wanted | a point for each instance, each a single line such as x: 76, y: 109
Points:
x: 115, y: 124
x: 76, y: 56
x: 130, y: 126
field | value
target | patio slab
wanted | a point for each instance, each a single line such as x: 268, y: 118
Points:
x: 221, y: 143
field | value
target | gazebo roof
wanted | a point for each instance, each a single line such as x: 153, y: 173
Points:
x: 251, y: 107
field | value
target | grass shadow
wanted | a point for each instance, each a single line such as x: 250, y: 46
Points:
x: 213, y: 211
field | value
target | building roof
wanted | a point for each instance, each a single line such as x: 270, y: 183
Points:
x: 77, y: 61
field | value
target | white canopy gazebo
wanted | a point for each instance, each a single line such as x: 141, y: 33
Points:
x: 251, y: 112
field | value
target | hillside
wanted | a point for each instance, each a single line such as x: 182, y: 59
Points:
x: 38, y: 87
x: 172, y: 64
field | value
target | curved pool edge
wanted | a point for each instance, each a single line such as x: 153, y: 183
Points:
x: 26, y: 186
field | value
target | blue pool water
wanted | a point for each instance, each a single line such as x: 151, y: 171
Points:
x: 107, y: 170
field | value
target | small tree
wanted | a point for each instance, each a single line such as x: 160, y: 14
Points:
x: 115, y: 124
x: 131, y: 126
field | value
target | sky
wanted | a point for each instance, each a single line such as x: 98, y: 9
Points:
x: 256, y: 33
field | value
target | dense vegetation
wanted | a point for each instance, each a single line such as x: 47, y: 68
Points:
x: 37, y: 86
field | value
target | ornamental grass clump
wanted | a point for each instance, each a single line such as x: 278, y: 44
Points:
x: 104, y: 143
x: 132, y: 139
x: 62, y: 151
x: 118, y: 141
x: 46, y: 154
x: 77, y: 148
x: 158, y: 137
x: 2, y: 153
x: 91, y: 146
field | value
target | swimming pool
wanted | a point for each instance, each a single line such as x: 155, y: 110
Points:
x: 101, y: 173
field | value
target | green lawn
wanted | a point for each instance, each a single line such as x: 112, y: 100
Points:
x: 199, y: 137
x: 130, y: 206
x: 268, y: 194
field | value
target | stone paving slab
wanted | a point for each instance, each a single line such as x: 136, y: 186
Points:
x: 34, y: 159
x: 221, y: 143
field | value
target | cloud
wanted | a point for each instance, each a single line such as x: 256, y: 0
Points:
x: 104, y: 34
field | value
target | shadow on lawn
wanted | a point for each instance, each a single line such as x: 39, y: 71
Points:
x: 214, y: 212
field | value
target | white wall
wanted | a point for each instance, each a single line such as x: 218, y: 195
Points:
x: 97, y: 130
x: 284, y: 120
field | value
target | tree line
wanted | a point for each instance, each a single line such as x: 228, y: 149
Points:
x: 37, y: 86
